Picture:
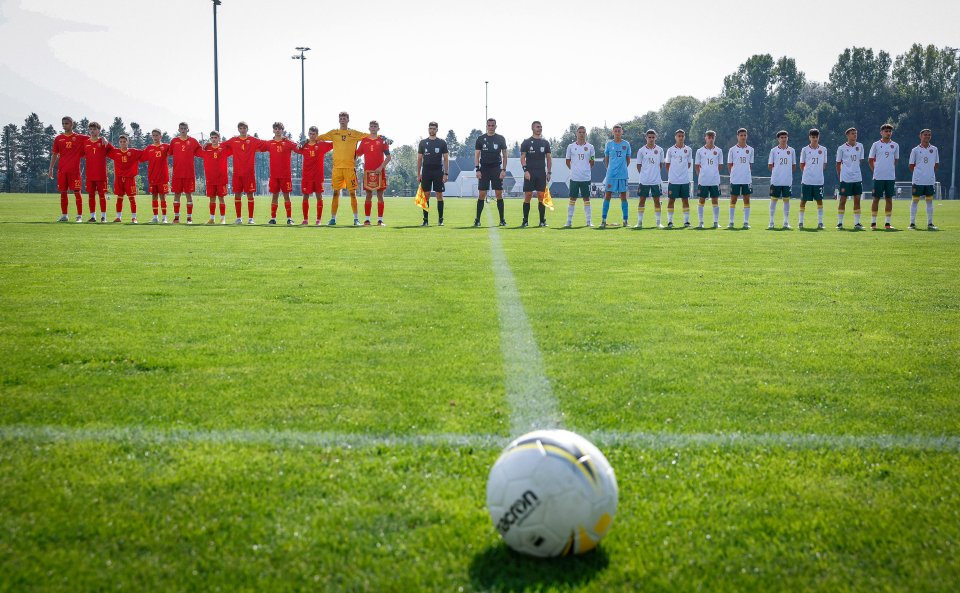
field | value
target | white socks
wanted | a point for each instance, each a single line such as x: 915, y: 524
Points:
x: 786, y: 212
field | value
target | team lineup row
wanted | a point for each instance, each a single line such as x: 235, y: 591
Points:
x: 490, y: 158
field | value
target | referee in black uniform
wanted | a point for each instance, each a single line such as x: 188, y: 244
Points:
x: 490, y: 160
x: 537, y: 163
x: 433, y: 163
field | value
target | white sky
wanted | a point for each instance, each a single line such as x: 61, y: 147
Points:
x: 417, y: 60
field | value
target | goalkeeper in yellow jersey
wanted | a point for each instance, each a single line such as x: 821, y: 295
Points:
x: 344, y: 165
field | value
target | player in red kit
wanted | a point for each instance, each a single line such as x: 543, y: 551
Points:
x: 280, y: 149
x: 126, y: 162
x: 244, y: 174
x: 184, y: 149
x: 67, y: 152
x: 214, y: 157
x: 313, y: 151
x: 158, y: 174
x: 95, y: 149
x: 376, y: 154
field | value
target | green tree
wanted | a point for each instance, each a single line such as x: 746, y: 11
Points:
x: 35, y: 146
x: 453, y: 145
x: 924, y: 83
x: 83, y: 126
x: 402, y: 170
x: 9, y: 149
x: 466, y: 154
x: 678, y: 113
x: 861, y: 90
x: 117, y: 128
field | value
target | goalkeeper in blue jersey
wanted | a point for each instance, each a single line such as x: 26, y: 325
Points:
x: 616, y: 157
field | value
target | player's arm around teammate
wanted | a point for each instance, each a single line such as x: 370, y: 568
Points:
x: 313, y: 151
x: 95, y: 149
x: 183, y: 149
x: 158, y: 175
x: 126, y: 162
x: 66, y: 152
x: 581, y: 156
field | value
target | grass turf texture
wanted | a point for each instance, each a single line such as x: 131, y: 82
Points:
x: 395, y: 331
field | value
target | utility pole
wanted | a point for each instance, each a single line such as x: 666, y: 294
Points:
x: 216, y: 71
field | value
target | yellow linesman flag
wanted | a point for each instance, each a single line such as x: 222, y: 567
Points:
x: 547, y: 199
x: 421, y: 199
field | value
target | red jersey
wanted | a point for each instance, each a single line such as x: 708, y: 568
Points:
x: 126, y: 163
x: 183, y: 152
x: 244, y: 154
x: 215, y: 163
x: 95, y: 153
x: 313, y: 158
x: 280, y: 151
x: 373, y: 151
x: 70, y: 149
x: 156, y: 157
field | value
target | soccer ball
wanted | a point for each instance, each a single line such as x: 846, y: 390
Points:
x: 552, y: 493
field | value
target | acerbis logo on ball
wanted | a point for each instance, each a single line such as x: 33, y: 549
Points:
x: 518, y: 512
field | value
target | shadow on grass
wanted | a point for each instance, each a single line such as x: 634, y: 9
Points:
x: 501, y: 569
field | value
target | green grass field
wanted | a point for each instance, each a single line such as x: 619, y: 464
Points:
x: 316, y: 409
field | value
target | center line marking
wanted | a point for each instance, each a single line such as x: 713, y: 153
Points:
x: 529, y: 394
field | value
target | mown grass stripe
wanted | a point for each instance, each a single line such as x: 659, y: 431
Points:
x: 640, y: 440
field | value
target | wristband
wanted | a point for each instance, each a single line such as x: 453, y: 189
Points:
x: 478, y: 169
x: 524, y: 169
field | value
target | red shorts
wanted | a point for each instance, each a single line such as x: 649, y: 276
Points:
x: 125, y: 186
x: 184, y: 185
x: 312, y: 186
x: 244, y: 183
x: 280, y: 184
x: 68, y: 180
x: 159, y: 188
x: 96, y: 186
x: 216, y: 191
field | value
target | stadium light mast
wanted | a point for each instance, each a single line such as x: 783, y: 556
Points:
x: 486, y: 96
x: 303, y: 101
x: 216, y: 71
x: 956, y: 113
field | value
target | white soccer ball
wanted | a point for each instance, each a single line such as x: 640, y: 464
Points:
x: 552, y: 493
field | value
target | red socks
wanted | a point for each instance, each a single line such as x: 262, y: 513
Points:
x: 238, y: 203
x: 133, y: 206
x: 189, y: 208
x: 92, y: 202
x: 288, y: 207
x: 176, y: 208
x: 306, y: 208
x: 223, y: 209
x: 119, y: 205
x: 249, y: 207
x: 64, y: 203
x: 156, y: 204
x: 380, y: 209
x: 213, y: 206
x: 79, y: 200
x: 367, y: 206
x: 163, y: 205
x: 103, y: 203
x: 319, y: 208
x: 273, y: 210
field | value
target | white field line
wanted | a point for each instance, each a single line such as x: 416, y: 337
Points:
x: 529, y: 395
x: 307, y: 439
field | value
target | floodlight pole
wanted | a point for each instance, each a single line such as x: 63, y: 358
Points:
x: 303, y: 101
x: 216, y: 71
x: 953, y: 158
x: 486, y: 96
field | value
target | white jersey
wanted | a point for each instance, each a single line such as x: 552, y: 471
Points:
x: 580, y: 158
x: 740, y: 160
x: 849, y: 158
x: 709, y: 160
x: 783, y: 161
x: 650, y: 159
x: 680, y: 160
x: 886, y: 155
x: 924, y: 159
x: 814, y: 161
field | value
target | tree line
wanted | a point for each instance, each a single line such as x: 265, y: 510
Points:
x: 864, y: 89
